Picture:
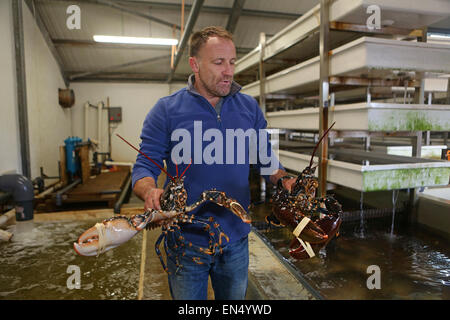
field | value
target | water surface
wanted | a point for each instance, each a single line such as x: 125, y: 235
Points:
x: 414, y: 264
x: 34, y: 265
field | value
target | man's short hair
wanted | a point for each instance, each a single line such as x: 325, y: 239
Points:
x: 199, y: 38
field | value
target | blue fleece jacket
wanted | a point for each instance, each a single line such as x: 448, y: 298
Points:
x: 179, y: 111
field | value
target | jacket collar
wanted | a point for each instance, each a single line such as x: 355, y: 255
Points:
x: 235, y: 87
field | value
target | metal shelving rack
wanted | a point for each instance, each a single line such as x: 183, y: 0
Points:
x: 331, y: 54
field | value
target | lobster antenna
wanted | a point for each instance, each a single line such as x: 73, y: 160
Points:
x: 186, y: 169
x: 146, y: 156
x: 318, y: 143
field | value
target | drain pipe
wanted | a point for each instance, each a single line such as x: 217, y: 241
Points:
x: 49, y: 190
x: 124, y: 191
x: 86, y: 121
x: 61, y: 192
x: 22, y: 191
x: 123, y: 194
x: 99, y: 125
x: 4, y: 197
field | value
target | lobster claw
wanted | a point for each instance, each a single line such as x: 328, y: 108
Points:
x: 113, y: 232
x: 306, y: 229
x: 105, y: 236
x: 220, y: 198
x: 310, y: 232
x: 301, y: 250
x: 238, y: 210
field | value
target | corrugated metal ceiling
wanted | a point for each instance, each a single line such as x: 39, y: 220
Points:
x: 83, y: 59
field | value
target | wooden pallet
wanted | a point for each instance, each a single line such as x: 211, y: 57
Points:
x: 106, y: 187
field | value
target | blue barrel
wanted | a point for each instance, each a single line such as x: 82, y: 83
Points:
x: 72, y: 161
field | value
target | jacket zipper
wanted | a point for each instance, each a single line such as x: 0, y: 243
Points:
x: 218, y: 116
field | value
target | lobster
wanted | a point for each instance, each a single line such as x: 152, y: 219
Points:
x: 114, y: 231
x: 313, y: 220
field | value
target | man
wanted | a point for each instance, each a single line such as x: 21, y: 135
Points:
x: 211, y: 101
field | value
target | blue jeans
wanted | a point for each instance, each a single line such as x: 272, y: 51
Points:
x: 228, y: 271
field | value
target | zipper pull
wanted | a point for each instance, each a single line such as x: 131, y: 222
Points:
x: 218, y: 118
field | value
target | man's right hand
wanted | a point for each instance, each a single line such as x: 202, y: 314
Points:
x: 147, y: 191
x: 152, y: 199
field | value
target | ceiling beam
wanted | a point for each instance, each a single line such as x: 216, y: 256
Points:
x: 192, y: 19
x: 119, y: 66
x: 130, y: 77
x: 236, y: 12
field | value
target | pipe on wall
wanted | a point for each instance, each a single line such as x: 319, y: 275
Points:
x: 118, y: 163
x: 21, y: 92
x: 86, y: 121
x: 99, y: 126
x: 49, y: 190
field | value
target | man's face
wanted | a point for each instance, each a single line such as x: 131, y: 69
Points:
x: 214, y: 65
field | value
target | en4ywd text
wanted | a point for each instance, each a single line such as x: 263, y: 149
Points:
x: 226, y: 309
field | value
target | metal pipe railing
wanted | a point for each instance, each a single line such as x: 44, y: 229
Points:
x: 60, y: 193
x: 119, y: 202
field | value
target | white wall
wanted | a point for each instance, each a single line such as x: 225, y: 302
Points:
x: 49, y: 123
x: 136, y: 100
x: 9, y: 122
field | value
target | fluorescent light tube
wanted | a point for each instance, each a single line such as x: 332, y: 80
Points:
x: 136, y: 40
x: 438, y: 36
